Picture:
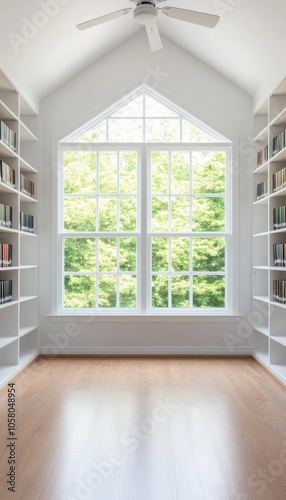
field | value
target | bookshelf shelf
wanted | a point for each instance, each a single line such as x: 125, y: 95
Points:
x: 261, y: 329
x: 26, y: 167
x: 262, y: 136
x: 25, y: 197
x: 26, y: 298
x: 6, y: 152
x: 259, y: 235
x: 262, y: 201
x: 5, y: 188
x: 26, y: 134
x: 262, y: 169
x: 261, y: 298
x: 27, y: 329
x: 280, y: 156
x: 8, y: 304
x: 11, y: 268
x: 279, y: 120
x: 280, y: 192
x: 6, y: 341
x: 19, y: 317
x: 280, y: 340
x: 6, y: 113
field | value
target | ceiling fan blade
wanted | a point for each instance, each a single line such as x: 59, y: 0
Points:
x: 191, y: 16
x: 153, y: 35
x: 102, y: 19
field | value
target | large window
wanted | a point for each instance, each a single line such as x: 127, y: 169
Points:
x: 145, y: 213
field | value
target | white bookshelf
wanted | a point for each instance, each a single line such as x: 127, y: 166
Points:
x: 269, y: 316
x: 19, y: 318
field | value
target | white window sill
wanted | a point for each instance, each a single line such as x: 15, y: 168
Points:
x: 140, y: 318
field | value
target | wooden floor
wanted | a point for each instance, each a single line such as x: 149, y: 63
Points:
x: 146, y: 429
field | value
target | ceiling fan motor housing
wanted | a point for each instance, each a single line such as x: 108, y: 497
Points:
x: 144, y: 12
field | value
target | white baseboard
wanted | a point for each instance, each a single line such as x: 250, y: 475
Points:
x: 148, y: 351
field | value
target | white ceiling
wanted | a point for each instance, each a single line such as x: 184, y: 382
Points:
x: 248, y: 45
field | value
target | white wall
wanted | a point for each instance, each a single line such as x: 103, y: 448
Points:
x: 205, y: 94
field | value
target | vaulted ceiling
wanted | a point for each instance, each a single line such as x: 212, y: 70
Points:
x: 41, y: 48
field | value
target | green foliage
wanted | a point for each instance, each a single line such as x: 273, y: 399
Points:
x: 113, y: 260
x: 209, y: 291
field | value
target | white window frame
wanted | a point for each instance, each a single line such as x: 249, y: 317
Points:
x: 144, y: 234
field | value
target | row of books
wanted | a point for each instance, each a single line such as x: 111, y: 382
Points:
x: 279, y: 291
x: 279, y: 180
x: 262, y: 156
x: 5, y: 215
x: 5, y: 255
x: 7, y: 174
x: 279, y: 254
x: 279, y: 217
x: 278, y: 142
x: 5, y: 291
x: 8, y: 136
x: 27, y: 223
x: 27, y: 186
x: 262, y: 190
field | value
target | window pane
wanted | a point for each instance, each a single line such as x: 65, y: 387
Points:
x: 79, y: 254
x: 107, y: 164
x: 160, y: 285
x: 107, y: 213
x: 191, y: 133
x: 180, y: 254
x: 79, y: 291
x: 79, y: 214
x: 180, y: 291
x: 209, y: 291
x: 181, y: 214
x: 107, y: 254
x: 96, y: 134
x: 162, y: 130
x: 209, y: 254
x: 180, y: 172
x: 133, y: 108
x: 107, y: 291
x: 160, y: 254
x: 208, y: 214
x: 160, y: 214
x: 128, y: 214
x: 155, y: 108
x: 160, y: 172
x: 79, y: 172
x: 208, y: 171
x: 125, y: 130
x: 127, y: 291
x: 127, y: 254
x: 128, y: 172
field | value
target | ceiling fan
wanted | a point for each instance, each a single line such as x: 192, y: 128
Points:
x: 146, y: 13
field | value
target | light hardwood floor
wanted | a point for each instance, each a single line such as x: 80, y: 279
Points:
x: 147, y: 429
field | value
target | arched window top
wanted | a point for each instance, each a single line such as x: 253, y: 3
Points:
x: 145, y: 116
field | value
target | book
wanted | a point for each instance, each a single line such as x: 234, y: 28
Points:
x: 6, y: 291
x: 5, y: 255
x: 27, y: 186
x: 7, y: 174
x: 27, y: 222
x: 8, y: 136
x: 5, y: 216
